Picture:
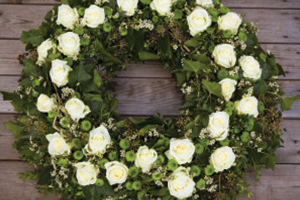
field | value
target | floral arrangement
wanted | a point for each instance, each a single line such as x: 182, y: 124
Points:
x: 69, y: 128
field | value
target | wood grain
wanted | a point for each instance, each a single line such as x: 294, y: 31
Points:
x: 276, y: 26
x: 286, y: 55
x: 147, y: 96
x: 289, y: 154
x: 280, y: 4
x: 14, y: 188
x: 280, y: 184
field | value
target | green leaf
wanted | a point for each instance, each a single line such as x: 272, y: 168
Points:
x: 213, y: 88
x: 194, y: 66
x: 261, y: 87
x: 45, y: 176
x: 79, y: 74
x: 31, y: 69
x: 181, y: 78
x: 144, y: 55
x: 136, y: 120
x: 271, y: 161
x: 165, y: 46
x: 192, y: 43
x: 287, y: 102
x: 99, y: 48
x: 201, y: 58
x: 33, y: 36
x: 16, y: 101
x: 97, y: 79
x: 160, y: 192
x: 94, y: 192
x: 14, y: 128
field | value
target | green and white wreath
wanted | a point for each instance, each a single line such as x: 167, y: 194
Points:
x: 69, y: 128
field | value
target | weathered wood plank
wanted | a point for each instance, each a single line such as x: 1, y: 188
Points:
x: 276, y: 26
x: 289, y: 154
x: 230, y: 3
x: 283, y: 183
x: 140, y: 96
x: 11, y: 187
x: 287, y: 56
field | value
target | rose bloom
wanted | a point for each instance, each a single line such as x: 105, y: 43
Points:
x: 199, y: 20
x: 222, y: 159
x: 182, y: 150
x: 224, y: 55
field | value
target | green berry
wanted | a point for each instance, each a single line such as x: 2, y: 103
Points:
x: 225, y: 142
x: 128, y: 186
x: 62, y: 162
x: 124, y: 144
x: 86, y: 125
x: 227, y: 33
x: 35, y: 93
x: 140, y: 196
x: 245, y: 137
x: 200, y: 184
x: 230, y: 105
x: 156, y: 176
x: 79, y: 30
x: 36, y: 83
x: 228, y: 111
x: 249, y: 125
x: 52, y: 114
x: 130, y: 156
x: 78, y: 155
x: 172, y: 164
x: 223, y: 73
x: 123, y: 32
x: 243, y: 37
x: 76, y: 143
x: 195, y: 170
x: 155, y: 19
x: 178, y: 14
x: 236, y: 130
x: 107, y: 27
x: 137, y: 185
x: 107, y: 10
x: 112, y: 155
x: 99, y: 182
x: 133, y: 171
x: 64, y: 122
x: 103, y: 162
x: 160, y: 159
x: 84, y: 41
x: 209, y: 170
x: 224, y: 10
x: 199, y: 149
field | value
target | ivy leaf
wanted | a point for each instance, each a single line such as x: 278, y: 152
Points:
x: 213, y: 88
x: 287, y: 102
x: 144, y: 55
x: 45, y: 176
x: 99, y: 48
x: 136, y: 120
x: 261, y: 87
x: 16, y: 101
x: 33, y: 36
x: 194, y: 66
x: 97, y: 79
x: 201, y: 58
x: 30, y: 68
x: 94, y: 192
x: 165, y: 46
x: 271, y: 161
x: 192, y: 43
x: 181, y: 77
x: 79, y: 74
x: 14, y: 128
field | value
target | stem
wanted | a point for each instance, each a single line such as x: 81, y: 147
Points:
x: 58, y: 109
x: 220, y: 182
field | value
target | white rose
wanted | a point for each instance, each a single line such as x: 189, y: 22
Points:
x: 247, y: 106
x: 222, y: 159
x: 181, y: 150
x: 250, y: 67
x: 163, y: 7
x: 228, y: 87
x: 231, y: 21
x: 43, y: 49
x: 86, y: 173
x: 59, y: 72
x: 219, y: 125
x: 128, y: 6
x: 45, y: 104
x: 116, y: 172
x: 180, y: 184
x: 205, y: 3
x: 145, y: 158
x: 69, y: 44
x: 99, y: 139
x: 199, y: 20
x: 57, y: 145
x: 93, y: 16
x: 224, y: 55
x: 67, y: 16
x: 77, y: 109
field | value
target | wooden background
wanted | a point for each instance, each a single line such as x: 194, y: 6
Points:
x: 146, y: 89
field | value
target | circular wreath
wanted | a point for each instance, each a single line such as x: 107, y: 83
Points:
x: 69, y: 127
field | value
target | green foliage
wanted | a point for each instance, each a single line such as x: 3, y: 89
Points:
x: 213, y: 88
x: 193, y: 66
x: 287, y: 102
x: 144, y: 55
x: 33, y: 36
x: 94, y: 192
x: 17, y: 130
